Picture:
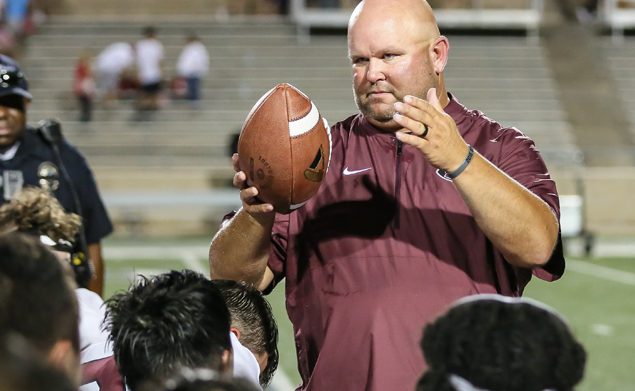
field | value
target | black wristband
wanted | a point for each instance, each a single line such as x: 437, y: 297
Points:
x: 462, y: 167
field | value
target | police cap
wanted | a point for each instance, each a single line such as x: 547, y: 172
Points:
x: 12, y: 80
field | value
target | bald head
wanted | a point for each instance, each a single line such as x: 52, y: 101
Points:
x: 415, y: 16
x: 395, y: 50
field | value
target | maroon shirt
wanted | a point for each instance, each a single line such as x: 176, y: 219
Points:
x: 386, y: 245
x: 101, y: 374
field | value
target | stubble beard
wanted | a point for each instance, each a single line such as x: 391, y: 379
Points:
x: 365, y: 107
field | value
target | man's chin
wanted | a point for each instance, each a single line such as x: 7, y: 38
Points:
x: 383, y: 123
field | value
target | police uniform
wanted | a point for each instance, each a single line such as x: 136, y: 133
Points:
x: 35, y: 164
x: 31, y: 156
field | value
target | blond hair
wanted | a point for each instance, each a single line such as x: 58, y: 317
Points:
x: 35, y: 210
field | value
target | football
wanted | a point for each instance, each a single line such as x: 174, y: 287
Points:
x: 284, y: 148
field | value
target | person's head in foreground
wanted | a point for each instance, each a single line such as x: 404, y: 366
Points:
x: 167, y: 322
x: 37, y: 301
x: 37, y: 212
x: 23, y: 369
x: 253, y: 323
x: 497, y: 343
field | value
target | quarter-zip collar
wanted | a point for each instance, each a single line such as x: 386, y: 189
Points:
x: 398, y: 154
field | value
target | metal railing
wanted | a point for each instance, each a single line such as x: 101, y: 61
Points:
x: 477, y: 16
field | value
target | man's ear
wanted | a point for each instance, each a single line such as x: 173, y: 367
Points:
x: 63, y: 356
x: 440, y: 49
x: 59, y: 352
x: 227, y: 361
x: 235, y: 331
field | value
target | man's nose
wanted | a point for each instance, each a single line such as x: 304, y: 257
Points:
x: 375, y: 70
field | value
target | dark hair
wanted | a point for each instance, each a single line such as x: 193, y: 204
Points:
x: 23, y: 369
x: 149, y: 31
x: 36, y: 295
x: 501, y: 344
x: 201, y: 379
x: 251, y: 314
x: 165, y: 322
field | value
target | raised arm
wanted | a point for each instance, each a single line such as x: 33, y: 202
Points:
x: 240, y: 249
x: 519, y: 223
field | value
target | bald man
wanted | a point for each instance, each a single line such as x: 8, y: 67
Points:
x: 425, y: 201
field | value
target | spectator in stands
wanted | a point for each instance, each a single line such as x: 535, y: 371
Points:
x: 23, y: 369
x: 7, y: 41
x: 41, y: 156
x: 84, y: 86
x: 149, y: 60
x: 329, y: 4
x: 203, y: 379
x: 192, y: 65
x: 37, y: 301
x: 496, y: 343
x: 167, y: 322
x: 35, y: 211
x: 587, y: 11
x: 16, y: 12
x: 283, y: 7
x: 424, y: 202
x: 110, y: 65
x: 253, y: 323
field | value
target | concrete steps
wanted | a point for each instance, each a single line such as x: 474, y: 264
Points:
x: 185, y: 149
x: 621, y: 60
x: 164, y: 8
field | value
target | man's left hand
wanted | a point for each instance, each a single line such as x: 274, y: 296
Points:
x: 428, y: 128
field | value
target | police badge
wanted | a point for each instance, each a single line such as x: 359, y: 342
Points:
x: 11, y: 182
x: 48, y: 176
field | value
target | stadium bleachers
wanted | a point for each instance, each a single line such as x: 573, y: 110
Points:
x: 485, y: 73
x: 181, y: 148
x: 620, y: 61
x: 187, y: 151
x: 476, y: 14
x: 618, y: 15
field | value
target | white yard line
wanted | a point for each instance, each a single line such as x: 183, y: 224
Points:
x: 193, y: 257
x: 281, y: 382
x: 603, y: 272
x: 124, y: 253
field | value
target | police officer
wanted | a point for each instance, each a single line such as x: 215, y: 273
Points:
x: 41, y: 157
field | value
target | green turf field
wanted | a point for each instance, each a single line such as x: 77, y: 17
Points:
x: 596, y: 296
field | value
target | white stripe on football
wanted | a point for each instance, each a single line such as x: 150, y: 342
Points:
x: 305, y: 124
